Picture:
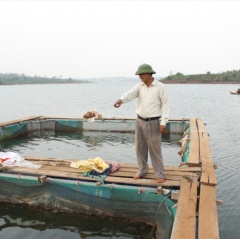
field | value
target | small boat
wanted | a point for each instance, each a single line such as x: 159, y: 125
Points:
x: 182, y: 207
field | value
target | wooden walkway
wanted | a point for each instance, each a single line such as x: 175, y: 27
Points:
x: 198, y: 197
x: 195, y: 179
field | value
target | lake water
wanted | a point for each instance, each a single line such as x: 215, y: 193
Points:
x: 212, y: 103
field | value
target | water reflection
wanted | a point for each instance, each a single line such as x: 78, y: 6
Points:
x: 87, y: 144
x: 21, y: 217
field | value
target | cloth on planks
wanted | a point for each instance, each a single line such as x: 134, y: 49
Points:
x: 96, y: 166
x: 14, y: 159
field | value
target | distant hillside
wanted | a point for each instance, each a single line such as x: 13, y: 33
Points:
x: 20, y: 79
x: 17, y: 79
x: 228, y: 77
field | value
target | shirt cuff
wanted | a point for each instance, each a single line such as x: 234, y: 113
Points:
x: 163, y: 122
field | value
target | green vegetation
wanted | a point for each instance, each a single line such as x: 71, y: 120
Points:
x: 220, y: 78
x: 17, y: 79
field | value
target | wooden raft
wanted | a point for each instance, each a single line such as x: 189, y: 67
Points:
x: 53, y: 167
x: 190, y: 203
x: 196, y: 180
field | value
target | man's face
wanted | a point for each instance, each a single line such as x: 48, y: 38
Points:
x: 145, y: 77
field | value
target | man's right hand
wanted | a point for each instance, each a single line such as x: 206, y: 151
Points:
x: 118, y: 103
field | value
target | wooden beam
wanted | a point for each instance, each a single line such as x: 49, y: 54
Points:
x: 19, y: 120
x: 208, y: 172
x: 193, y: 125
x: 184, y: 168
x: 67, y: 168
x: 123, y: 166
x: 103, y: 118
x: 208, y: 217
x: 193, y: 157
x: 77, y: 175
x: 185, y: 220
x: 34, y: 158
x: 175, y: 196
x: 201, y: 126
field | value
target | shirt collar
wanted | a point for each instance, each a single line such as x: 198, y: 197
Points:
x: 153, y: 83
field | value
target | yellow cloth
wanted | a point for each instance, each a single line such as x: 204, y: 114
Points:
x: 92, y: 164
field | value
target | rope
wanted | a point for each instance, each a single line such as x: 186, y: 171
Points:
x: 160, y: 204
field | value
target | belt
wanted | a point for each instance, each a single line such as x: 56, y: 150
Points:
x: 150, y: 118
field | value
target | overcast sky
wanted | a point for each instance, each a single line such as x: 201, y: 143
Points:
x: 85, y: 39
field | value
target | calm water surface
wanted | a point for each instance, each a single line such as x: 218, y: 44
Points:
x: 213, y: 103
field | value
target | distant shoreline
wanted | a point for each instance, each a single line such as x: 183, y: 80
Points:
x: 164, y: 82
x: 62, y: 83
x: 202, y: 83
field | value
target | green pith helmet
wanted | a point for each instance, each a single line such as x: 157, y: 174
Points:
x: 145, y: 68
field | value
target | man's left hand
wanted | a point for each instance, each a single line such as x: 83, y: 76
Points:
x: 162, y: 129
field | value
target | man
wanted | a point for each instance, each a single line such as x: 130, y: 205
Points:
x: 152, y: 105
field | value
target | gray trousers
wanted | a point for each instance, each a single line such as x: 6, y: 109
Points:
x: 149, y: 139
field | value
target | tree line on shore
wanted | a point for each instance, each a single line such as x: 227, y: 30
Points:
x: 178, y: 78
x: 224, y: 77
x: 21, y: 79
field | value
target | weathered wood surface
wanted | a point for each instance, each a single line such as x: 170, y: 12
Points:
x: 208, y: 173
x: 208, y: 216
x: 184, y: 168
x: 185, y: 220
x: 193, y: 158
x: 175, y: 196
x: 124, y: 175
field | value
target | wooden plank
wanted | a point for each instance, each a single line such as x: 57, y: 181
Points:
x: 104, y: 118
x: 81, y: 118
x: 77, y: 175
x: 193, y: 125
x: 183, y: 168
x: 172, y: 172
x: 208, y: 172
x: 193, y: 157
x: 65, y: 167
x: 175, y: 196
x: 123, y: 166
x: 51, y: 163
x: 148, y: 176
x: 142, y: 182
x: 208, y: 217
x: 34, y: 158
x: 170, y: 168
x: 152, y: 176
x: 19, y: 120
x: 208, y: 175
x: 185, y: 220
x: 201, y: 126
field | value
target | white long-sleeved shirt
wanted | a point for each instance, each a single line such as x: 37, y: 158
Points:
x: 152, y: 100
